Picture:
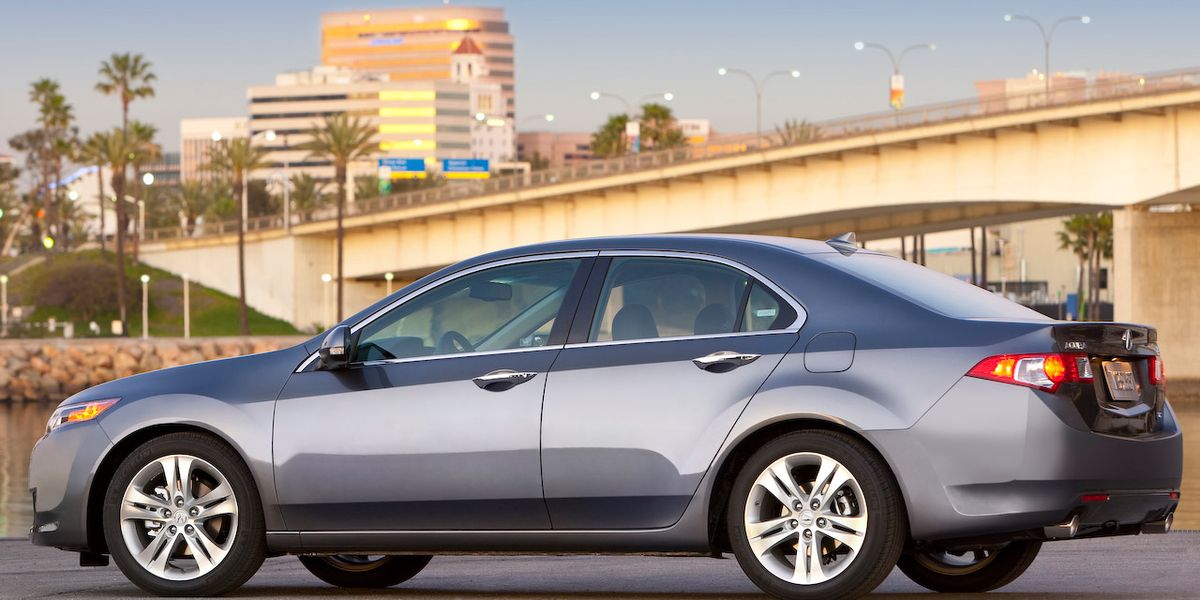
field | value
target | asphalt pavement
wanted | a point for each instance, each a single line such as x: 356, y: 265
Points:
x: 1147, y: 566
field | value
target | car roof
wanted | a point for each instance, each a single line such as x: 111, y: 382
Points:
x: 714, y: 243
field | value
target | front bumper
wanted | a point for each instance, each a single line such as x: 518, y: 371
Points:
x: 61, y: 468
x: 991, y: 458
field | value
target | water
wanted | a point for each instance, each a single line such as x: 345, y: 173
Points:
x: 21, y: 425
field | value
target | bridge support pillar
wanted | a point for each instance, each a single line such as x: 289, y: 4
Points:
x: 1156, y: 264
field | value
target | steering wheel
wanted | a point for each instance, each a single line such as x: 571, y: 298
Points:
x: 453, y: 342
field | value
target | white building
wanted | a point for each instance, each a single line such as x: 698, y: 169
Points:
x: 493, y: 135
x: 197, y: 137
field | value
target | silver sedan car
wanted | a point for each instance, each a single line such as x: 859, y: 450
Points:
x: 821, y: 411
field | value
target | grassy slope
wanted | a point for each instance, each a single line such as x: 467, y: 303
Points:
x: 213, y: 313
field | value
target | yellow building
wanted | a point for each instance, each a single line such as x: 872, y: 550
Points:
x: 416, y: 44
x: 430, y: 120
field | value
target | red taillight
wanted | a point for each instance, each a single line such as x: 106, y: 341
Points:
x: 1041, y: 371
x: 1157, y: 377
x: 1094, y: 498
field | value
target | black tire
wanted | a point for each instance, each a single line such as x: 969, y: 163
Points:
x: 886, y: 530
x: 351, y: 571
x: 248, y: 549
x: 995, y: 570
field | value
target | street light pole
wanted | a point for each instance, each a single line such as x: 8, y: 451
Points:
x: 388, y: 277
x: 187, y: 307
x: 1047, y: 38
x: 145, y: 307
x: 758, y: 93
x: 325, y: 279
x: 896, y: 60
x: 4, y: 302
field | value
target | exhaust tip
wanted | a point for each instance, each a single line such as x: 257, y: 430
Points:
x: 1062, y: 531
x: 1159, y: 527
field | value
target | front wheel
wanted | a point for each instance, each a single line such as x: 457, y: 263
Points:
x: 816, y: 514
x: 970, y: 571
x: 361, y: 571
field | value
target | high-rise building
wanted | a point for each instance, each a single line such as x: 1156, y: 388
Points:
x: 197, y: 137
x: 430, y: 120
x: 417, y: 44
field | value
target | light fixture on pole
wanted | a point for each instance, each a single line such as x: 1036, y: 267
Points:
x: 758, y: 92
x: 1047, y: 38
x: 145, y: 306
x: 216, y: 136
x: 187, y: 307
x: 896, y: 90
x: 664, y: 96
x: 388, y: 277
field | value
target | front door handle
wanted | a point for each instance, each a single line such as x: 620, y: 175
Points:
x: 724, y: 361
x: 503, y: 379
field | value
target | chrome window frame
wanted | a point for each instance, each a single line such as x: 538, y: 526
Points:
x: 447, y: 279
x: 794, y: 327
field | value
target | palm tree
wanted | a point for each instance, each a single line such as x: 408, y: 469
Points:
x: 797, y: 131
x: 192, y: 200
x: 341, y: 139
x: 56, y: 144
x: 236, y: 158
x: 1089, y: 237
x: 307, y: 192
x: 610, y: 141
x: 116, y: 150
x: 129, y: 77
x: 659, y: 130
x: 141, y: 135
x: 91, y: 152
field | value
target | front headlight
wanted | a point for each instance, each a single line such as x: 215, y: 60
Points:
x: 77, y: 413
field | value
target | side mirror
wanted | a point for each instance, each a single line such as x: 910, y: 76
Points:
x: 335, y: 348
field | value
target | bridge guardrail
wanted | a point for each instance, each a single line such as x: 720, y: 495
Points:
x: 1104, y: 87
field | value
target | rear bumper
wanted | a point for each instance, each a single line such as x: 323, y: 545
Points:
x: 991, y: 458
x: 61, y: 468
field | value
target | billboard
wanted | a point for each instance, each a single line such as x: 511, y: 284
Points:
x: 465, y: 168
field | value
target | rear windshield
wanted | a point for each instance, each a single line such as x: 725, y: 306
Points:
x: 928, y: 288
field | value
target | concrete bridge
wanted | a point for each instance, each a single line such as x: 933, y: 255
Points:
x: 1128, y: 145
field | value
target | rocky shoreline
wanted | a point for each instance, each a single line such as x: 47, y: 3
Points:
x: 50, y: 370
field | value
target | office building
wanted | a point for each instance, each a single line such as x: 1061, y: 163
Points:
x: 554, y: 149
x: 197, y: 138
x: 417, y: 44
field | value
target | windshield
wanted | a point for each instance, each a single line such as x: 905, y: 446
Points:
x: 928, y: 288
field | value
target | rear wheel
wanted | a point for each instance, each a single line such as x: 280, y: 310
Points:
x: 970, y: 571
x: 362, y: 571
x: 182, y: 517
x: 816, y: 514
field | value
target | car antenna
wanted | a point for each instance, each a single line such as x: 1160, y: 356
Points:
x: 846, y: 243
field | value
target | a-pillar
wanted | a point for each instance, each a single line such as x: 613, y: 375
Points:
x: 1156, y: 276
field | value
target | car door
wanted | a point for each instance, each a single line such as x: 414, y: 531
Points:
x: 665, y: 352
x: 435, y: 423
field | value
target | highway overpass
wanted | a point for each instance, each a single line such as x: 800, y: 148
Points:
x: 1129, y: 145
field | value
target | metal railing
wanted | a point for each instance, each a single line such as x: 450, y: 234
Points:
x: 1060, y: 95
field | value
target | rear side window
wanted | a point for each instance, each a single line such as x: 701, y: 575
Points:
x: 928, y: 288
x: 652, y: 297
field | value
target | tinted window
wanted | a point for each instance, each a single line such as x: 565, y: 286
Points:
x: 927, y: 287
x: 512, y: 306
x: 650, y: 297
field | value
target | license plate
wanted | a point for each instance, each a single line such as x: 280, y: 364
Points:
x: 1122, y: 385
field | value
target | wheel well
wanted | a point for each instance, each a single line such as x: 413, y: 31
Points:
x: 108, y: 467
x: 718, y: 535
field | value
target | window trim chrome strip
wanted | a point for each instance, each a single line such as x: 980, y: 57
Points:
x: 447, y: 279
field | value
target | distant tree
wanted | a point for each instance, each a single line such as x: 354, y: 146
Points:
x: 128, y: 77
x: 91, y: 152
x: 192, y: 200
x: 1089, y: 237
x: 235, y: 159
x: 145, y: 150
x: 341, y: 139
x: 659, y: 130
x: 366, y: 186
x: 308, y: 192
x: 609, y: 141
x: 537, y: 162
x: 797, y: 131
x: 117, y: 150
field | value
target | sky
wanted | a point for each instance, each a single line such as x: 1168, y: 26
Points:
x: 206, y: 53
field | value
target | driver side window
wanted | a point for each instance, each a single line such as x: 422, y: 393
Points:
x: 502, y: 308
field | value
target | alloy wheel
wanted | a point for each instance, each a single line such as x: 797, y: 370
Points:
x: 179, y: 517
x: 806, y: 518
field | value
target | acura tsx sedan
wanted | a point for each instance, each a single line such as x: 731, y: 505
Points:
x: 823, y: 412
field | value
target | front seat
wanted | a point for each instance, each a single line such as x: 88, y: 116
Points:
x: 634, y: 322
x: 714, y: 318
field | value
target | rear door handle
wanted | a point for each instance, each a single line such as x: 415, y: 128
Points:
x: 724, y: 361
x: 503, y: 379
